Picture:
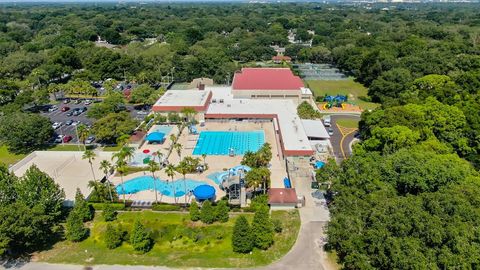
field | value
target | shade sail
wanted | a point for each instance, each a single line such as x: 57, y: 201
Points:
x: 155, y: 137
x: 204, y: 192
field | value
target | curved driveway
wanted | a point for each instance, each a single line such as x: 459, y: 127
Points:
x: 341, y: 143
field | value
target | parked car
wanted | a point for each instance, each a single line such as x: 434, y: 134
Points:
x: 70, y: 113
x: 88, y: 102
x: 65, y: 101
x: 75, y: 123
x: 66, y: 108
x: 69, y: 122
x: 90, y: 140
x: 53, y: 108
x: 67, y: 138
x: 330, y: 131
x: 77, y: 112
x: 56, y: 125
x: 77, y: 101
x: 58, y: 139
x: 84, y: 109
x: 142, y: 112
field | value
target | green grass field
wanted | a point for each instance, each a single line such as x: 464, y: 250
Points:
x: 65, y: 147
x: 178, y: 243
x: 346, y: 87
x: 9, y: 158
x: 112, y: 148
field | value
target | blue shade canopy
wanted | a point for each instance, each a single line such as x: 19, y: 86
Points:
x: 319, y: 164
x: 204, y: 192
x: 286, y: 183
x: 155, y: 137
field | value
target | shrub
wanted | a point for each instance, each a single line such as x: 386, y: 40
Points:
x: 166, y: 207
x: 75, y: 231
x: 242, y: 237
x: 207, y: 214
x: 114, y: 206
x: 306, y: 111
x: 194, y: 211
x: 277, y: 225
x: 221, y: 211
x: 262, y: 228
x: 109, y: 214
x: 259, y: 202
x: 140, y: 238
x: 81, y: 207
x: 113, y: 237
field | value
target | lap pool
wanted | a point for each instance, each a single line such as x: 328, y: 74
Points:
x: 166, y: 188
x: 220, y: 142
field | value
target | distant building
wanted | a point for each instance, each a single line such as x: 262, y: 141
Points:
x: 282, y: 198
x: 277, y: 59
x: 200, y: 83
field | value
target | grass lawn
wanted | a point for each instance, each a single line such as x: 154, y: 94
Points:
x: 178, y: 243
x: 65, y: 147
x: 345, y: 87
x: 9, y: 158
x: 348, y: 123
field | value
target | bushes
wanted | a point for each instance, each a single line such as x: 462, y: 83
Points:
x: 75, y: 231
x: 140, y: 238
x: 194, y: 211
x: 113, y: 237
x: 277, y: 225
x: 207, y: 214
x: 221, y: 211
x: 306, y: 111
x: 114, y: 206
x: 242, y: 237
x: 82, y: 207
x: 166, y: 207
x: 109, y: 214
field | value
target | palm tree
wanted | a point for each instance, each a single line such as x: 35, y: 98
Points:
x: 90, y: 155
x: 121, y: 168
x: 204, y: 157
x: 188, y: 112
x: 183, y: 169
x: 123, y: 140
x: 153, y: 167
x: 127, y: 152
x: 82, y: 132
x: 178, y: 147
x: 159, y: 156
x: 105, y: 166
x: 170, y: 171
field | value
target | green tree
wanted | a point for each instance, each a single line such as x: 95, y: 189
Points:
x: 23, y: 132
x: 113, y: 237
x: 75, y: 231
x: 106, y: 167
x: 242, y: 236
x: 153, y: 167
x: 207, y: 214
x: 113, y: 125
x: 114, y: 102
x: 140, y: 238
x: 170, y: 171
x: 306, y: 111
x: 194, y: 211
x: 82, y: 207
x: 221, y: 211
x: 144, y: 94
x: 109, y: 213
x: 183, y: 169
x: 83, y: 132
x: 262, y: 228
x: 257, y: 176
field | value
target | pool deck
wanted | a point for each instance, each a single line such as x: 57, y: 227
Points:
x: 215, y: 163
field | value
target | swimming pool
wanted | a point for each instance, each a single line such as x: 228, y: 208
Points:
x: 142, y: 183
x: 162, y: 128
x: 220, y: 142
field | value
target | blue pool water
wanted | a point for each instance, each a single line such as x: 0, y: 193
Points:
x: 166, y: 188
x: 220, y: 142
x: 163, y: 129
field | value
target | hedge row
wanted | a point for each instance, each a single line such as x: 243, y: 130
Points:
x: 166, y: 207
x: 101, y: 206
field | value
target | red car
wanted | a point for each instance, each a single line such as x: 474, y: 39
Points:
x: 66, y: 139
x: 66, y: 108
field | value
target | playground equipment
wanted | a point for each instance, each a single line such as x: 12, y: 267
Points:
x: 334, y: 101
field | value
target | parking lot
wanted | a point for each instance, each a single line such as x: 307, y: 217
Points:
x: 69, y: 130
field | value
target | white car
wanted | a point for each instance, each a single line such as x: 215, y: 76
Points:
x: 88, y: 102
x: 75, y: 123
x: 53, y: 108
x: 330, y: 131
x: 142, y: 112
x: 59, y: 138
x: 56, y: 125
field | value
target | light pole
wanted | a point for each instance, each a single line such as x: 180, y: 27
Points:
x: 78, y: 138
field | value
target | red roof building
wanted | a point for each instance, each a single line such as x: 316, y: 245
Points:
x: 281, y: 58
x: 282, y: 198
x: 267, y: 83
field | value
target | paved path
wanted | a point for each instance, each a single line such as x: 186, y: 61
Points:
x: 342, y: 138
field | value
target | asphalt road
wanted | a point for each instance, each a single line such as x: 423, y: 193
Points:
x: 336, y: 138
x: 59, y: 116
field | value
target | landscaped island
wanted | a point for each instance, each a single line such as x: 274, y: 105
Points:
x: 179, y: 242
